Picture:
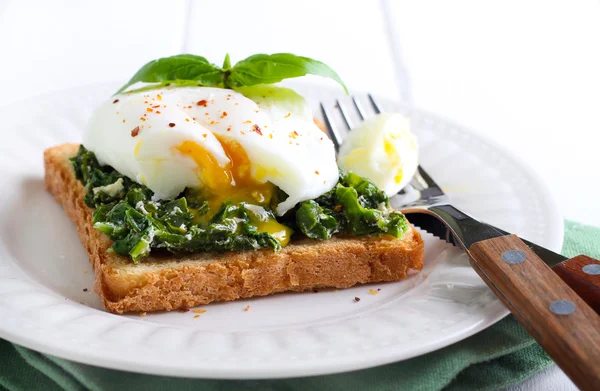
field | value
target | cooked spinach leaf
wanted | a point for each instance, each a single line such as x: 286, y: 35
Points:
x: 354, y: 205
x: 127, y: 214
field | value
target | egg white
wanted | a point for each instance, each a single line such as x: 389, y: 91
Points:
x: 139, y: 133
x: 383, y: 150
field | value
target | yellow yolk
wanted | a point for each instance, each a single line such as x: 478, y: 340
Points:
x: 233, y: 183
x: 279, y: 231
x: 392, y: 152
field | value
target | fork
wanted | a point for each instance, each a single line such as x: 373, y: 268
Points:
x: 546, y: 302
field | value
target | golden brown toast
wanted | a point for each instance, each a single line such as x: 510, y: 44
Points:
x: 182, y: 281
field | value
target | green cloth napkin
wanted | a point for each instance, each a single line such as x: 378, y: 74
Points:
x: 499, y: 356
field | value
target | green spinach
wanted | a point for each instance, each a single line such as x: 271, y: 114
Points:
x: 354, y: 205
x: 137, y: 224
x: 127, y: 214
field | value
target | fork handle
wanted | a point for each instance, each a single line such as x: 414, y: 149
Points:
x: 559, y: 320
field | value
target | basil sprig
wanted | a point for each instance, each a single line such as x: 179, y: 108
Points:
x: 189, y: 69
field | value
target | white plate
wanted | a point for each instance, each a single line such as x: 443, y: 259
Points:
x: 44, y: 269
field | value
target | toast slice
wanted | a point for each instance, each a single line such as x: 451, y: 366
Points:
x: 169, y: 282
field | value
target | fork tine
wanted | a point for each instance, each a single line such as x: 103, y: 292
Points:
x: 359, y: 108
x: 335, y: 137
x: 375, y: 105
x: 344, y: 114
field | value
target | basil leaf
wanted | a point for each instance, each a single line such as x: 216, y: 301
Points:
x: 273, y: 68
x: 176, y: 83
x: 179, y: 67
x: 227, y: 63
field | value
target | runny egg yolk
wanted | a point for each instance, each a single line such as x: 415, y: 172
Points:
x: 234, y: 183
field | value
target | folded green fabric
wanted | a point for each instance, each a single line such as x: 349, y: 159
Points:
x: 499, y: 356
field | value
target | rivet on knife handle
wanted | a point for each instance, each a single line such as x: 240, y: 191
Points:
x: 582, y: 274
x: 560, y: 321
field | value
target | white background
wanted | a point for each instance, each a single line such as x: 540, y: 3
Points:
x: 525, y: 74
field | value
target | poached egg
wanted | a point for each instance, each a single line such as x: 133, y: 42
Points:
x: 229, y: 145
x: 383, y: 150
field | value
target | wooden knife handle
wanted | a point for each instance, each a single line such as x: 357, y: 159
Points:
x: 559, y: 320
x: 582, y: 274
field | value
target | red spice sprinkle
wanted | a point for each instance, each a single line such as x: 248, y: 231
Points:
x: 247, y: 308
x: 205, y: 113
x: 123, y: 121
x: 337, y: 208
x: 321, y: 139
x: 142, y: 119
x: 135, y: 131
x: 171, y: 125
x: 115, y: 101
x: 294, y: 134
x: 85, y: 289
x: 157, y: 112
x: 224, y: 114
x: 212, y: 122
x: 189, y: 107
x: 149, y: 110
x: 357, y: 299
x: 378, y: 289
x: 202, y: 102
x: 229, y: 128
x: 184, y: 310
x: 196, y: 316
x: 287, y: 115
x: 317, y: 172
x: 154, y: 107
x: 257, y: 129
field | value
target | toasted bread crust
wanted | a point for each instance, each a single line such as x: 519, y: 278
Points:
x: 168, y: 283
